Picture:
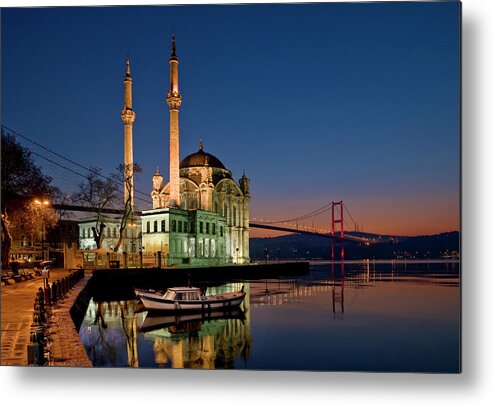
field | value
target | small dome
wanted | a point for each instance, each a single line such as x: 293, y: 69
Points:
x: 201, y: 158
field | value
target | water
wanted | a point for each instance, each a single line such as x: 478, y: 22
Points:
x: 363, y: 317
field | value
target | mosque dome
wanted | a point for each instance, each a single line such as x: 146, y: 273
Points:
x: 200, y: 159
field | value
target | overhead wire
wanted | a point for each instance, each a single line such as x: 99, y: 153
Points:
x: 16, y: 133
x: 73, y: 171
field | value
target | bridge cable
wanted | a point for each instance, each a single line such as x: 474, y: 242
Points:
x: 302, y: 217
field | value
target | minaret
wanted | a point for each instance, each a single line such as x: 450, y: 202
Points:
x: 173, y: 99
x: 128, y: 118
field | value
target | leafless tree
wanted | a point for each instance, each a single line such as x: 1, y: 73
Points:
x: 126, y: 173
x: 98, y: 192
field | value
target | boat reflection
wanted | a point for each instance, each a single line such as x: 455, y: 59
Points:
x: 205, y: 341
x: 182, y: 323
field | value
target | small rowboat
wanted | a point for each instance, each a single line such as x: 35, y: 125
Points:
x: 179, y: 299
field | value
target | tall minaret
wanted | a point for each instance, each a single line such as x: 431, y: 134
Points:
x: 173, y: 99
x: 128, y: 118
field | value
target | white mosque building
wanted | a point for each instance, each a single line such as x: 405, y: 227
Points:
x: 201, y: 215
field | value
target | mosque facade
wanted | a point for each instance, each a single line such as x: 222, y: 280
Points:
x: 201, y: 215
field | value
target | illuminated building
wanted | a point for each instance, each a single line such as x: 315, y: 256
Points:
x: 201, y: 216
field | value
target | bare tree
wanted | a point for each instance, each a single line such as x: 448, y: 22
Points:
x: 126, y: 173
x: 98, y: 193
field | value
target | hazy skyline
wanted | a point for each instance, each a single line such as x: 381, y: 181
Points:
x: 316, y: 102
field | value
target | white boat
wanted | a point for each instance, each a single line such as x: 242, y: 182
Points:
x: 188, y: 299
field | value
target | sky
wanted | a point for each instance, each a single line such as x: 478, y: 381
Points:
x: 315, y: 102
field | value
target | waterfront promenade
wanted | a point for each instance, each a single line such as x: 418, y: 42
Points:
x: 17, y: 316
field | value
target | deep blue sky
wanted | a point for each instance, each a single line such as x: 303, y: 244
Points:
x: 317, y: 102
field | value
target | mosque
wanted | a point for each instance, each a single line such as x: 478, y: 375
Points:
x: 201, y: 215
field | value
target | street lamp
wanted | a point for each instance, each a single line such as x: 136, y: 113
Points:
x: 42, y: 204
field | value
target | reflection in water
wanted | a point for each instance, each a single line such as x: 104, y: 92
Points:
x: 100, y: 332
x: 409, y: 315
x: 210, y: 340
x: 338, y: 293
x: 205, y: 344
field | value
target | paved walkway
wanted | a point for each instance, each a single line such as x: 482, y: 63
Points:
x: 66, y: 349
x: 17, y: 317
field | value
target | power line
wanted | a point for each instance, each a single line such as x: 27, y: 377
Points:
x: 73, y: 171
x: 67, y: 159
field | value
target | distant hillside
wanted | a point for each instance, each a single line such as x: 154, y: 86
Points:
x: 317, y: 247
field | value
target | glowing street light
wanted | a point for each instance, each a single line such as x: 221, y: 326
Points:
x: 42, y: 204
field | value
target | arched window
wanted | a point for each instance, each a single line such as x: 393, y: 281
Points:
x: 155, y: 226
x: 163, y: 226
x: 148, y: 227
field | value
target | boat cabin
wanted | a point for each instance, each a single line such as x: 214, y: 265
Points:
x: 182, y: 294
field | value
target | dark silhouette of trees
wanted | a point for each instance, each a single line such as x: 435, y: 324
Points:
x: 22, y: 182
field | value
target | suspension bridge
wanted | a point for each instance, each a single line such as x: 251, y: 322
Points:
x: 343, y: 227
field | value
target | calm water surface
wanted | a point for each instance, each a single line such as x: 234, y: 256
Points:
x: 363, y: 317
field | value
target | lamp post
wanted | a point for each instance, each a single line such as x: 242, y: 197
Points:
x: 42, y: 204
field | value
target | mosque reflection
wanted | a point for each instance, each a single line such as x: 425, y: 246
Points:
x: 207, y: 341
x: 328, y: 302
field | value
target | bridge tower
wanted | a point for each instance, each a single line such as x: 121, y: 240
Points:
x: 173, y: 98
x: 128, y: 118
x: 339, y: 220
